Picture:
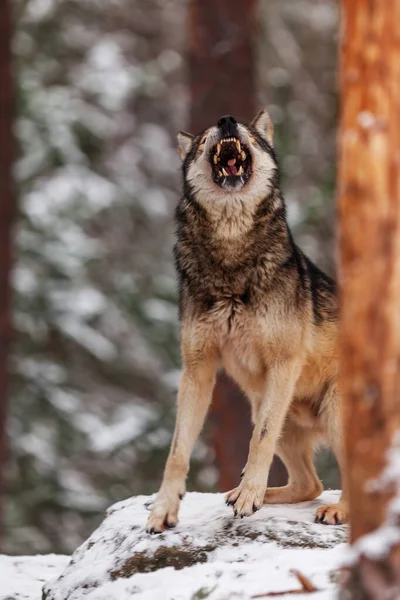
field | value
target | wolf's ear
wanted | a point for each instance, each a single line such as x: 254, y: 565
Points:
x: 185, y: 142
x: 263, y: 125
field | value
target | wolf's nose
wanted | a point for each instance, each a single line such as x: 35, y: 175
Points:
x: 227, y: 125
x: 226, y: 120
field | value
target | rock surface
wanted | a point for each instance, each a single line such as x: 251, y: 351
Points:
x: 209, y: 555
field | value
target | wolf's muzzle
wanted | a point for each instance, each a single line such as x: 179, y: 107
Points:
x: 227, y: 126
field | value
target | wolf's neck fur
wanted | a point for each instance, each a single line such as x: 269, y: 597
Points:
x: 218, y: 248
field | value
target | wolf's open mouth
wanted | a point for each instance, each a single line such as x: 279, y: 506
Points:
x: 231, y: 162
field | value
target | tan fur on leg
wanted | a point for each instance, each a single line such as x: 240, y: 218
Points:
x: 194, y: 398
x: 249, y: 495
x: 296, y: 449
x: 334, y: 514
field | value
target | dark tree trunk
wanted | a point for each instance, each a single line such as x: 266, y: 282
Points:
x: 6, y: 215
x: 221, y: 61
x: 222, y: 80
x: 369, y: 206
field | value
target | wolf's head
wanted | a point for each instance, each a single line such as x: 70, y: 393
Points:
x: 230, y: 161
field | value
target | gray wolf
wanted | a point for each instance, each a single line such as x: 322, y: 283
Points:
x: 253, y: 303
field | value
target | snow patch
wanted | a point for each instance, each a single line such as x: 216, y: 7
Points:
x: 22, y: 577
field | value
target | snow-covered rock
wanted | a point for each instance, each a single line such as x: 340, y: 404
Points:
x: 209, y: 555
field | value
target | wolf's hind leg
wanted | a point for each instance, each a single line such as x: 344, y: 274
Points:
x: 334, y: 514
x: 194, y: 398
x: 296, y: 448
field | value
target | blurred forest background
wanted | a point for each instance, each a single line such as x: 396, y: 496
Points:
x: 101, y: 90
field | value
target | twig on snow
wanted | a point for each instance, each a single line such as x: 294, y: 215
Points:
x: 306, y: 587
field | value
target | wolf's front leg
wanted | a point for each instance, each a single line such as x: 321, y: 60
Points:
x: 248, y: 497
x: 194, y: 397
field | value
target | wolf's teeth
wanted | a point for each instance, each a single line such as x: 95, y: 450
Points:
x: 243, y: 155
x: 220, y: 174
x: 215, y: 159
x: 224, y: 172
x: 218, y: 147
x: 238, y: 145
x: 240, y: 171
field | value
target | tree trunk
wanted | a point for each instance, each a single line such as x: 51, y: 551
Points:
x: 6, y: 213
x: 222, y: 69
x: 369, y: 208
x: 222, y: 75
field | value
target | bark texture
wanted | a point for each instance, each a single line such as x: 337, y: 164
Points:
x: 6, y: 214
x: 369, y: 209
x: 222, y: 80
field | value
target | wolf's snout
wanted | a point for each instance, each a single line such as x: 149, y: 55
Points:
x: 230, y: 158
x: 227, y: 126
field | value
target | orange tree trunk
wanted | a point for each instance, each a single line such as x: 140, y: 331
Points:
x: 6, y: 212
x: 222, y: 76
x: 369, y: 209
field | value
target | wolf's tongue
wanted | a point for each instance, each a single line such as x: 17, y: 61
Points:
x: 231, y: 168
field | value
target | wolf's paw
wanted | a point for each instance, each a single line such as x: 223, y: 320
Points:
x: 164, y: 514
x: 333, y: 514
x: 245, y: 500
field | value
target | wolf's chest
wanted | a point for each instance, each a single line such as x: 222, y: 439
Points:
x: 237, y: 331
x: 228, y: 312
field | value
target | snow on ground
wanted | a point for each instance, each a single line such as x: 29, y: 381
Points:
x: 209, y: 555
x: 23, y: 577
